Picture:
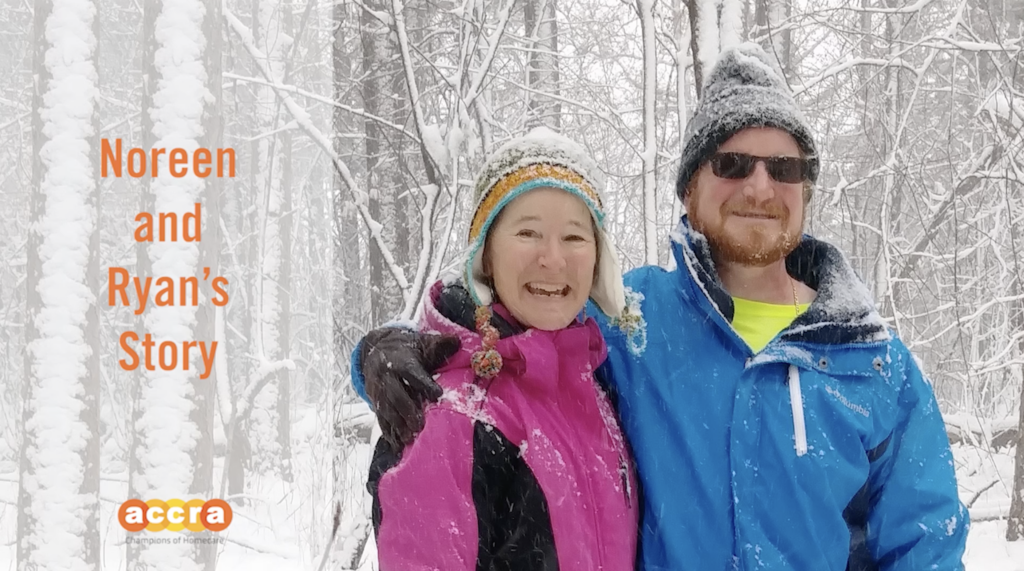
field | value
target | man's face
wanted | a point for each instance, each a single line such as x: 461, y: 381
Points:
x: 756, y: 220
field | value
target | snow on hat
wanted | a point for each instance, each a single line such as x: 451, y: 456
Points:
x: 743, y: 89
x: 542, y: 159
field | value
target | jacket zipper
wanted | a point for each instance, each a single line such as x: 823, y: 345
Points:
x: 611, y: 432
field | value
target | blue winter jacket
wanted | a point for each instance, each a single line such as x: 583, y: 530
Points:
x: 713, y: 428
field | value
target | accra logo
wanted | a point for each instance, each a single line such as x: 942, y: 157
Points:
x: 175, y: 515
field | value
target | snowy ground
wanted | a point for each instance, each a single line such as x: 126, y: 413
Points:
x: 283, y: 525
x: 987, y: 548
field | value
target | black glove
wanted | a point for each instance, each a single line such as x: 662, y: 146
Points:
x: 397, y: 371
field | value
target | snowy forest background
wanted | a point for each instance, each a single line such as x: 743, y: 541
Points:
x: 358, y: 127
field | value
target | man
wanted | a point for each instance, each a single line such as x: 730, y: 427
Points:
x: 776, y: 422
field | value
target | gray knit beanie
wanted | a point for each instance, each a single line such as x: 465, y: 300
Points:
x: 743, y: 89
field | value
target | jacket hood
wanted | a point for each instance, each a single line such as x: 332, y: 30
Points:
x: 843, y: 311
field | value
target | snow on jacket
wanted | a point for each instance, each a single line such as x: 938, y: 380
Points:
x: 824, y: 451
x: 527, y: 471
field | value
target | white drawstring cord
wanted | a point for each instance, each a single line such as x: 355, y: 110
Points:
x: 796, y: 402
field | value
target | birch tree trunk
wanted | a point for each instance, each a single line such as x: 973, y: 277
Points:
x: 768, y: 16
x: 349, y: 298
x: 143, y: 264
x: 58, y: 498
x: 265, y: 423
x: 650, y: 152
x: 541, y: 23
x: 730, y: 23
x: 167, y: 437
x: 27, y: 524
x: 350, y: 301
x: 682, y: 43
x: 704, y: 41
x: 379, y: 63
x: 284, y: 278
x: 1015, y: 522
x: 205, y: 390
x: 284, y: 292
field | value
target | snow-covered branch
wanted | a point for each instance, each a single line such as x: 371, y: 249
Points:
x: 321, y: 99
x: 302, y: 118
x: 848, y: 64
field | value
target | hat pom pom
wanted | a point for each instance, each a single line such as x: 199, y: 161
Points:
x: 487, y: 363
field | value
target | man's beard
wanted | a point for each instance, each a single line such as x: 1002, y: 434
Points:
x: 760, y: 246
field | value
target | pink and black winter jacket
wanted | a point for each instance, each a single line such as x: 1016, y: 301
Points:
x: 526, y: 471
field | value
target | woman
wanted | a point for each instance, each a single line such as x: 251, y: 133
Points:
x: 521, y: 465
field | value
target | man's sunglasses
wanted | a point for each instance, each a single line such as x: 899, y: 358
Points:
x: 740, y: 165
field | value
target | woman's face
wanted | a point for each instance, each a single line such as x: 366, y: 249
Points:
x: 541, y: 254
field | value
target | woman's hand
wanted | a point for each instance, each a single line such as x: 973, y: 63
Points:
x: 397, y: 367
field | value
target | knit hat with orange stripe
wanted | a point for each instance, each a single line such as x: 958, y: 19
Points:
x: 542, y: 159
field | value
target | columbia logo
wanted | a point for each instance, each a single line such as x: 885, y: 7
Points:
x: 854, y: 407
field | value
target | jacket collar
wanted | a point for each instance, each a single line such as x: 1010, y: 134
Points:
x: 526, y: 352
x: 843, y: 311
x: 455, y: 303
